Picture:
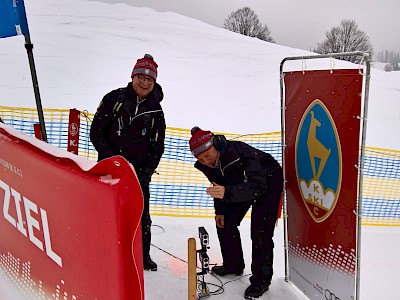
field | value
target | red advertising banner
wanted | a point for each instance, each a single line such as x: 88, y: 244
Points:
x: 70, y: 227
x: 73, y: 130
x: 322, y: 133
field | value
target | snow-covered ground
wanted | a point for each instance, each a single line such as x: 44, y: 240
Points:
x: 380, y: 268
x: 212, y: 78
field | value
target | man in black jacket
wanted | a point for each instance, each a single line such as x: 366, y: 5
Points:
x: 130, y: 122
x: 241, y: 177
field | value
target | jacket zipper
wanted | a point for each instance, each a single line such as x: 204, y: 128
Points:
x: 223, y: 169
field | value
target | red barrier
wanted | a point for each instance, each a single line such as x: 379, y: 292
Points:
x: 70, y: 228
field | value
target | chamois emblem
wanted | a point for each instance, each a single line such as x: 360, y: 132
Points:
x: 318, y: 161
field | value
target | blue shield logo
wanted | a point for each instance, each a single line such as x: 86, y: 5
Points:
x: 318, y: 161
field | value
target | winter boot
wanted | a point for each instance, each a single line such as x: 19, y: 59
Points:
x: 149, y: 264
x: 223, y: 271
x: 256, y: 290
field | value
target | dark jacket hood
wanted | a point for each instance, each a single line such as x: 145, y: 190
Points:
x: 158, y: 92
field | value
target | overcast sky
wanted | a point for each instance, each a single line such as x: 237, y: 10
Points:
x: 299, y: 24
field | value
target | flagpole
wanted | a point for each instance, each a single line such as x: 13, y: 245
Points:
x: 29, y: 47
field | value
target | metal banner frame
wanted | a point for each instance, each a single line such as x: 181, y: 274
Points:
x: 365, y: 63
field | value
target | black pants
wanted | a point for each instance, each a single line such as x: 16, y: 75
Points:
x: 146, y: 220
x: 263, y: 220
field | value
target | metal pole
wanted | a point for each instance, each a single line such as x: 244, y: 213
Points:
x: 331, y: 55
x: 283, y: 145
x: 29, y: 47
x: 361, y: 173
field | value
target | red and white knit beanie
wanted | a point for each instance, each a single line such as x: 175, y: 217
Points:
x: 200, y: 141
x: 145, y: 66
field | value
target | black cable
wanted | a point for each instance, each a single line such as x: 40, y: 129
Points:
x: 85, y: 114
x: 174, y: 256
x: 162, y: 228
x: 220, y: 287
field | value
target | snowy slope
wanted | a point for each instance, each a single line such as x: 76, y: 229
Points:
x: 211, y: 77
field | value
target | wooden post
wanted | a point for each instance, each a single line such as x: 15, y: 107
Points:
x: 192, y: 273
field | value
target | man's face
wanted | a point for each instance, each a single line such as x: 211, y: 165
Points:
x: 142, y: 85
x: 209, y: 157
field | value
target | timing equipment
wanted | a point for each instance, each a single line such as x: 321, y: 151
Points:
x: 204, y: 260
x: 203, y: 235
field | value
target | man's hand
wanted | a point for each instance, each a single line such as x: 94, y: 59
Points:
x: 216, y: 191
x: 219, y: 220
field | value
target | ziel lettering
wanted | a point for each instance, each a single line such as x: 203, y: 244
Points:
x: 31, y: 222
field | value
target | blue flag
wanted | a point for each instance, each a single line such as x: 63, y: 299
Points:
x: 13, y: 18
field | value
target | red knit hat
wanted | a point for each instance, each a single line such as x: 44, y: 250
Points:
x: 145, y: 66
x: 200, y: 141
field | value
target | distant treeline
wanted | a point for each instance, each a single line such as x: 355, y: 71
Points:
x: 391, y: 58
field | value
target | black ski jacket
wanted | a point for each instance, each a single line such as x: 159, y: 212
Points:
x: 244, y: 171
x: 124, y: 125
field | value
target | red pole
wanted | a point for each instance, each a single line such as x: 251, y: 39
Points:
x: 38, y: 131
x: 73, y: 130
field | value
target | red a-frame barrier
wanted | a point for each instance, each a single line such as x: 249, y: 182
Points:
x: 69, y: 227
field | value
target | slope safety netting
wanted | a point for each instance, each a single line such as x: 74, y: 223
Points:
x: 178, y: 189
